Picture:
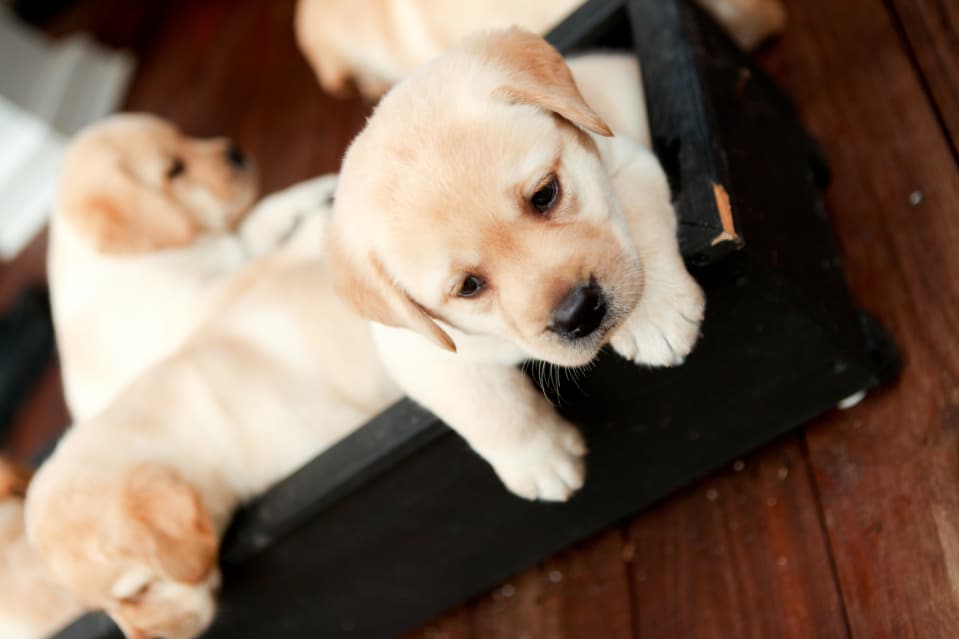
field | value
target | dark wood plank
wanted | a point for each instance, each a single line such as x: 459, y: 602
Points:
x: 115, y: 23
x: 932, y: 28
x: 42, y: 414
x: 26, y: 268
x: 41, y: 417
x: 583, y: 592
x: 226, y: 68
x: 887, y: 471
x: 741, y: 555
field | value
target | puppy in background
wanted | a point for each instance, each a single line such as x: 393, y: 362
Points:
x: 32, y: 604
x: 128, y: 511
x: 372, y: 44
x: 141, y: 238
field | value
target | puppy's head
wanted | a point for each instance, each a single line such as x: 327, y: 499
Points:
x: 134, y: 183
x: 143, y: 548
x: 476, y: 197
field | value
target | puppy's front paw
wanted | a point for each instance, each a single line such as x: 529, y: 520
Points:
x: 278, y: 218
x: 664, y: 328
x: 548, y: 468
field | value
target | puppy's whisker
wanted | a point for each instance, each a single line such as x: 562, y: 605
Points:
x: 554, y: 379
x: 541, y: 378
x: 574, y: 376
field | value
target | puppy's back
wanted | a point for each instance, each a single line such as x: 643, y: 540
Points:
x: 116, y: 315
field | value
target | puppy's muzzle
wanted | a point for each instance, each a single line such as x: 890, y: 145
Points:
x: 236, y: 157
x: 580, y: 313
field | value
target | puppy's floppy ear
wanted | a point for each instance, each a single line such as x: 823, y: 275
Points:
x: 538, y: 76
x: 365, y: 285
x: 164, y: 523
x: 122, y: 216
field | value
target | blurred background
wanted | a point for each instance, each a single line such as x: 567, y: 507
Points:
x: 214, y: 68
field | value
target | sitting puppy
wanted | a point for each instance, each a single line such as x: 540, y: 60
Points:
x: 128, y: 511
x: 32, y: 604
x: 487, y: 215
x: 373, y: 44
x: 140, y: 240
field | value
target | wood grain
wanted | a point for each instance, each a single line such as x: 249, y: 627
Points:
x: 932, y: 28
x: 887, y: 471
x: 584, y: 592
x: 741, y: 555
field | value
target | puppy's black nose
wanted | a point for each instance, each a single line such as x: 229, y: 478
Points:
x: 580, y: 313
x: 235, y: 156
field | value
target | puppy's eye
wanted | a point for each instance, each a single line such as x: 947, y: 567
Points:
x: 177, y: 167
x: 471, y: 286
x: 544, y: 198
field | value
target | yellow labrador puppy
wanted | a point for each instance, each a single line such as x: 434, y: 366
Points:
x: 128, y: 511
x: 141, y: 238
x: 372, y: 44
x: 497, y: 209
x: 32, y: 604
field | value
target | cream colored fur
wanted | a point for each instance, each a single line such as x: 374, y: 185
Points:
x: 136, y: 257
x: 279, y: 373
x: 32, y: 604
x: 426, y: 196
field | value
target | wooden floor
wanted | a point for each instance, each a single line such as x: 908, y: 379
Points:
x: 848, y: 529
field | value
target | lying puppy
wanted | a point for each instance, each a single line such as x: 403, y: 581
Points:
x: 141, y: 238
x: 486, y: 215
x: 32, y: 604
x: 128, y: 511
x: 373, y: 44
